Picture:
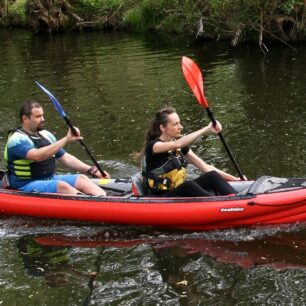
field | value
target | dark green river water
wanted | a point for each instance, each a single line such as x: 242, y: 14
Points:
x: 111, y: 85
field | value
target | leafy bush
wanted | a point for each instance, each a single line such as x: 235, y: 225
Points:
x: 133, y: 18
x: 237, y: 20
x: 99, y: 6
x: 17, y: 12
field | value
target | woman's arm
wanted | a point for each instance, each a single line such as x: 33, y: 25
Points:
x: 161, y: 147
x: 195, y: 160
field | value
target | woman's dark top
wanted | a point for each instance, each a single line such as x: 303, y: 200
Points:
x: 154, y: 161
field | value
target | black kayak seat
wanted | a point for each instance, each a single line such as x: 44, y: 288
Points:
x: 138, y: 188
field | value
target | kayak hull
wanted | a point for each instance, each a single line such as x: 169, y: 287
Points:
x: 182, y: 213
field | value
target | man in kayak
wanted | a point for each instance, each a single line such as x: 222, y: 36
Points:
x: 31, y: 153
x: 167, y: 153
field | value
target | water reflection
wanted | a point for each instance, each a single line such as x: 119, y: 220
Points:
x: 280, y: 251
x: 177, y: 268
x: 52, y: 263
x: 111, y: 265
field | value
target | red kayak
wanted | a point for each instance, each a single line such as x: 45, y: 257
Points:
x: 268, y: 200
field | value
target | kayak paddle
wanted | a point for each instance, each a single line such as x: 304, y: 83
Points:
x: 194, y: 79
x: 62, y: 113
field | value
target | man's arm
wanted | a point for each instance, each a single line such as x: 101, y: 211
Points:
x: 73, y: 163
x: 46, y: 152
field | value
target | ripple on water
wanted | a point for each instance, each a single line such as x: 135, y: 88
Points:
x: 131, y: 277
x: 265, y: 285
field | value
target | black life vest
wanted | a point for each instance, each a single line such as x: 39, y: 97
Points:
x: 27, y: 169
x: 168, y: 176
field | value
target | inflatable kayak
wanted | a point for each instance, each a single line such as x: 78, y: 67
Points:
x: 266, y: 201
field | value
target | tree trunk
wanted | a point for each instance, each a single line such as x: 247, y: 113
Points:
x: 5, y: 11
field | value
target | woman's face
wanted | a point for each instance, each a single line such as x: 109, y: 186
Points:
x: 173, y: 128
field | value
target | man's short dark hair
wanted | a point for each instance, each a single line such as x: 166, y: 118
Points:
x: 26, y: 108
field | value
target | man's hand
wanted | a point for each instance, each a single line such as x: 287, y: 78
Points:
x: 72, y: 137
x: 94, y: 172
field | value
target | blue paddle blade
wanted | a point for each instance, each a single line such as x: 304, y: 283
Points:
x: 55, y: 102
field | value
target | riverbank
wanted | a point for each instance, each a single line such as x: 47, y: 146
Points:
x: 235, y: 21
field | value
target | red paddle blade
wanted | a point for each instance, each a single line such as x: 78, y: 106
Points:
x: 194, y: 79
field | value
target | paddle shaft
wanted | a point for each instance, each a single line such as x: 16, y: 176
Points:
x: 232, y: 158
x: 194, y: 79
x: 83, y: 145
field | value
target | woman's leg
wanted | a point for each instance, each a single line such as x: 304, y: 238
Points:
x: 213, y: 180
x: 188, y: 189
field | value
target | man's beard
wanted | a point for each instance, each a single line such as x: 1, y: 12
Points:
x: 40, y: 127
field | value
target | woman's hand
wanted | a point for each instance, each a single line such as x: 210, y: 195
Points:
x: 214, y: 130
x: 235, y: 178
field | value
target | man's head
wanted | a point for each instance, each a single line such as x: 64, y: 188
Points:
x: 32, y: 116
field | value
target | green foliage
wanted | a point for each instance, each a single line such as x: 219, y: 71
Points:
x: 288, y: 6
x: 150, y: 15
x: 234, y: 19
x: 210, y: 18
x: 133, y: 18
x: 98, y: 6
x: 17, y: 12
x: 101, y: 13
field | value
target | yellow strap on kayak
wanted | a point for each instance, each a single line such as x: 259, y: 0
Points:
x: 103, y: 181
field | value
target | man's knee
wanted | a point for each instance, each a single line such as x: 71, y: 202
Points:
x: 84, y: 184
x: 63, y: 187
x: 83, y: 179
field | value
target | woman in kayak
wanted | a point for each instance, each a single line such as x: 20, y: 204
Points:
x: 167, y: 153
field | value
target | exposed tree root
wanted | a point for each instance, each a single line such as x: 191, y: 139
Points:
x: 51, y: 15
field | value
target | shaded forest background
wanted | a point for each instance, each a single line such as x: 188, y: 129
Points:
x: 236, y: 20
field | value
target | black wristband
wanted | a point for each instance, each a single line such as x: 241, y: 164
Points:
x: 92, y: 171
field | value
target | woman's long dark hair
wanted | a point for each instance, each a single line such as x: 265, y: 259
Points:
x: 161, y: 118
x: 154, y: 132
